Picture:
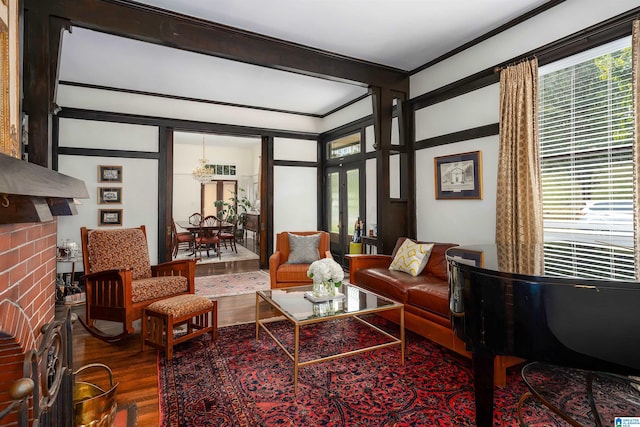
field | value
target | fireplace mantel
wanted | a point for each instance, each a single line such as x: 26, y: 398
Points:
x: 32, y: 193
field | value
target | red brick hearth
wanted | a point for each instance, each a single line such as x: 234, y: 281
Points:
x: 27, y: 295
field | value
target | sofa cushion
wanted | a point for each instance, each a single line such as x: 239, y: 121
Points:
x: 389, y: 283
x: 157, y: 287
x: 293, y: 273
x: 119, y: 249
x: 437, y: 264
x: 432, y: 297
x: 303, y: 249
x: 411, y: 257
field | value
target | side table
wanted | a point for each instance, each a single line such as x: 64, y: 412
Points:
x: 368, y: 243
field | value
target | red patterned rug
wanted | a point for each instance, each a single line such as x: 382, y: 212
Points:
x: 239, y: 382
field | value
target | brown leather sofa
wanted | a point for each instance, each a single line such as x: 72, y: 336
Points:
x: 283, y: 274
x: 425, y: 297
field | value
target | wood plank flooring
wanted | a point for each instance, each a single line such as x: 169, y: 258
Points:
x: 136, y: 371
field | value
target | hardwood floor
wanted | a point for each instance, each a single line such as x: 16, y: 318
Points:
x: 136, y: 371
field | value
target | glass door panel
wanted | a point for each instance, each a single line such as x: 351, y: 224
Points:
x: 343, y: 207
x: 353, y: 202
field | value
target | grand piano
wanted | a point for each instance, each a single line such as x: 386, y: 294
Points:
x: 503, y: 303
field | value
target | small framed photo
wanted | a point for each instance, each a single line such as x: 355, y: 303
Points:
x: 110, y: 217
x: 110, y: 173
x: 459, y: 176
x: 109, y: 195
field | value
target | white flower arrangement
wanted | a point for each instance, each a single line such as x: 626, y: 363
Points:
x: 326, y: 270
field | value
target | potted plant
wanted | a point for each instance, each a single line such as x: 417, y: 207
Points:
x: 229, y: 209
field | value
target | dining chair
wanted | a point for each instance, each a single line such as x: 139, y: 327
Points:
x: 195, y: 218
x: 209, y: 235
x: 230, y: 236
x: 179, y: 238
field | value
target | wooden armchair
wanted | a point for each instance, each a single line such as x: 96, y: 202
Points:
x: 120, y: 280
x: 283, y: 273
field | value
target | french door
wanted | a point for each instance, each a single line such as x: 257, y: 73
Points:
x: 343, y: 206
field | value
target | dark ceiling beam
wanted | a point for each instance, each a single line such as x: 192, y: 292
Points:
x: 154, y: 25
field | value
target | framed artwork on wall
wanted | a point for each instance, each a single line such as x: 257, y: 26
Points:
x: 110, y: 173
x: 110, y: 217
x: 459, y: 176
x: 109, y: 195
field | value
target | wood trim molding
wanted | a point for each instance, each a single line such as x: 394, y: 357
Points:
x: 159, y: 26
x: 180, y: 124
x: 184, y: 98
x: 465, y: 135
x: 596, y: 35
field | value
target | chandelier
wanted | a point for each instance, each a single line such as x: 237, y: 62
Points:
x: 201, y: 172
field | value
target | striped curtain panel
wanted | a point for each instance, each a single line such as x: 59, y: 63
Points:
x: 519, y: 191
x: 635, y: 46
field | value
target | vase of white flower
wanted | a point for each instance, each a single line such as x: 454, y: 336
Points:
x: 327, y: 276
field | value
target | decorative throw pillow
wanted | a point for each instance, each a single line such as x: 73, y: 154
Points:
x: 303, y: 249
x: 411, y: 257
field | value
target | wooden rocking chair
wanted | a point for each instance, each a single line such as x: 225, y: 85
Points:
x: 120, y: 280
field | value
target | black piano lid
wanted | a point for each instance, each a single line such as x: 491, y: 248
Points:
x: 593, y: 323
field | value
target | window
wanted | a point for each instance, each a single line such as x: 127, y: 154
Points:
x: 345, y: 146
x: 586, y: 141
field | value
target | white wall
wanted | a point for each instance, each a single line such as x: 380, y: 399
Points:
x: 457, y: 221
x: 121, y: 102
x: 295, y: 199
x: 473, y: 221
x: 560, y: 21
x: 139, y: 196
x: 295, y: 149
x: 355, y: 111
x: 295, y: 189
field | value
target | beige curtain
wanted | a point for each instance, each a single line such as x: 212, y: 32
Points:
x: 519, y: 192
x: 635, y: 47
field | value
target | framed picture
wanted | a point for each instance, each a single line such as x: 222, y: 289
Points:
x: 459, y: 176
x: 465, y: 256
x: 10, y: 115
x: 110, y: 173
x: 110, y: 217
x: 109, y: 195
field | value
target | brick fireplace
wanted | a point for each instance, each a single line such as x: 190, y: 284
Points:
x: 27, y: 295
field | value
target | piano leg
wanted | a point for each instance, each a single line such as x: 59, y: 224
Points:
x: 483, y: 387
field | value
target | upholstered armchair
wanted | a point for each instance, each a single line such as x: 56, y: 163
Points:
x: 120, y: 280
x: 288, y: 265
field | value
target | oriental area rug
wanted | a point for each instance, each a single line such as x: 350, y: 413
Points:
x: 238, y: 381
x: 232, y: 284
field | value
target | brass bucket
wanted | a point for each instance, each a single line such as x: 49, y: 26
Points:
x: 93, y: 406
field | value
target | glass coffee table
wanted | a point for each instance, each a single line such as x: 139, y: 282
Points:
x: 299, y: 311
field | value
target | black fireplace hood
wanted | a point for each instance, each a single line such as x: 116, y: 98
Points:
x: 32, y: 193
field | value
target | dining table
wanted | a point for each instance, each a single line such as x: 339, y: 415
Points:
x: 194, y: 229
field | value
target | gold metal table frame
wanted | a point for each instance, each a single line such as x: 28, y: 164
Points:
x: 292, y: 306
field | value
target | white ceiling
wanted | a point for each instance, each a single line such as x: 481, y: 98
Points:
x: 403, y: 34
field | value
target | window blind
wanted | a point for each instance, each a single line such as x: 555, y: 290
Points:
x: 586, y: 141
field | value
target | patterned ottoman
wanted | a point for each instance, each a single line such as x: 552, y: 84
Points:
x: 159, y: 319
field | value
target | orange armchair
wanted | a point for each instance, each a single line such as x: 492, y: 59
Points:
x: 120, y: 280
x: 284, y: 274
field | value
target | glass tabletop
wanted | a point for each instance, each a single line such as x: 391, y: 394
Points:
x: 292, y: 302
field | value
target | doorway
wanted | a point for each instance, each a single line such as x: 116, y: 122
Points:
x: 212, y: 191
x: 343, y: 206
